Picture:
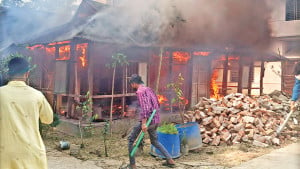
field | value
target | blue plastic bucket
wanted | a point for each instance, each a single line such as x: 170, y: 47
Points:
x: 192, y: 134
x: 170, y: 141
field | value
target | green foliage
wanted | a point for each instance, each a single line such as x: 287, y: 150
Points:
x: 179, y: 99
x: 86, y: 108
x: 168, y: 128
x: 176, y: 87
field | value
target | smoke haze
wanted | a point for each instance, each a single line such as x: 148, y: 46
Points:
x: 188, y: 23
x: 20, y: 23
x: 179, y: 23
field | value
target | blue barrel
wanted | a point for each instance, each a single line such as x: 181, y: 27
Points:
x: 192, y: 133
x: 170, y: 141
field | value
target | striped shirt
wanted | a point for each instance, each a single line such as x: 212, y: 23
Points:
x: 148, y: 101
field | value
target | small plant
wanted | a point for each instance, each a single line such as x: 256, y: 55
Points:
x: 86, y: 108
x: 176, y: 87
x: 105, y: 133
x: 168, y: 128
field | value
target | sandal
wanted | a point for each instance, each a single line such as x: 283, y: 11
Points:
x: 167, y: 164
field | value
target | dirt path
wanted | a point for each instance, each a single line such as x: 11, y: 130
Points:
x: 61, y: 160
x: 286, y: 157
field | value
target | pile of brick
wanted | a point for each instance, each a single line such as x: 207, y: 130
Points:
x: 238, y: 118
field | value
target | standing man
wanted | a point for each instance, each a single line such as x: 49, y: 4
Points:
x: 21, y: 108
x: 148, y: 101
x: 296, y: 88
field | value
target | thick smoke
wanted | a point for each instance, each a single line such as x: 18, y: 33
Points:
x: 169, y: 23
x: 184, y: 23
x: 21, y: 22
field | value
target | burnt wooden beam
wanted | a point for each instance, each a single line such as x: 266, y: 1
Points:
x: 225, y: 76
x: 90, y: 67
x: 240, y: 75
x: 56, y: 96
x: 71, y: 78
x: 262, y: 74
x: 209, y: 72
x: 251, y: 71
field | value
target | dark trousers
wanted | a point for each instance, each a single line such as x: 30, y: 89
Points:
x: 153, y: 139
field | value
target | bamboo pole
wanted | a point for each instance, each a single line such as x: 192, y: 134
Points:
x: 159, y: 68
x: 112, y: 99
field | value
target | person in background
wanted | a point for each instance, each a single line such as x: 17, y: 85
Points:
x: 148, y: 101
x: 21, y: 108
x: 296, y: 88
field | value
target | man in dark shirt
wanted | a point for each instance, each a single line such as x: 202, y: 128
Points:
x: 148, y: 102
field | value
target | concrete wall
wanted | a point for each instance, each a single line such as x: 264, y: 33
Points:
x: 272, y: 78
x: 283, y: 31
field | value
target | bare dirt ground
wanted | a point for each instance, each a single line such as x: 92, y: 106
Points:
x: 93, y: 153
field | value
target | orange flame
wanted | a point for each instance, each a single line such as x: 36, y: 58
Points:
x: 35, y: 47
x: 201, y: 53
x: 50, y: 50
x: 59, y: 43
x: 229, y: 58
x: 64, y: 53
x: 184, y: 100
x: 162, y: 99
x: 81, y: 49
x: 214, y: 87
x: 180, y: 56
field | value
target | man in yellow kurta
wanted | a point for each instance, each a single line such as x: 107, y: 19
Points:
x: 21, y: 107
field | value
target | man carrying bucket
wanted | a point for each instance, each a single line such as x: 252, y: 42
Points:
x: 148, y: 102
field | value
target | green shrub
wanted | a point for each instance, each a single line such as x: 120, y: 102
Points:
x: 168, y: 128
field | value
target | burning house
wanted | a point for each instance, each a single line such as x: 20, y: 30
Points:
x: 214, y: 57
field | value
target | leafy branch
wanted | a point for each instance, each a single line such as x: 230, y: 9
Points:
x: 176, y: 87
x: 86, y: 108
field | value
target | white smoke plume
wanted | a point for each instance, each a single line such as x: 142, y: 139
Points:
x: 183, y: 23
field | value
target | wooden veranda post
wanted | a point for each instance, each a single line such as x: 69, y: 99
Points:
x: 159, y: 68
x: 71, y: 79
x: 90, y: 72
x: 251, y: 68
x: 240, y: 78
x: 262, y: 74
x: 225, y: 75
